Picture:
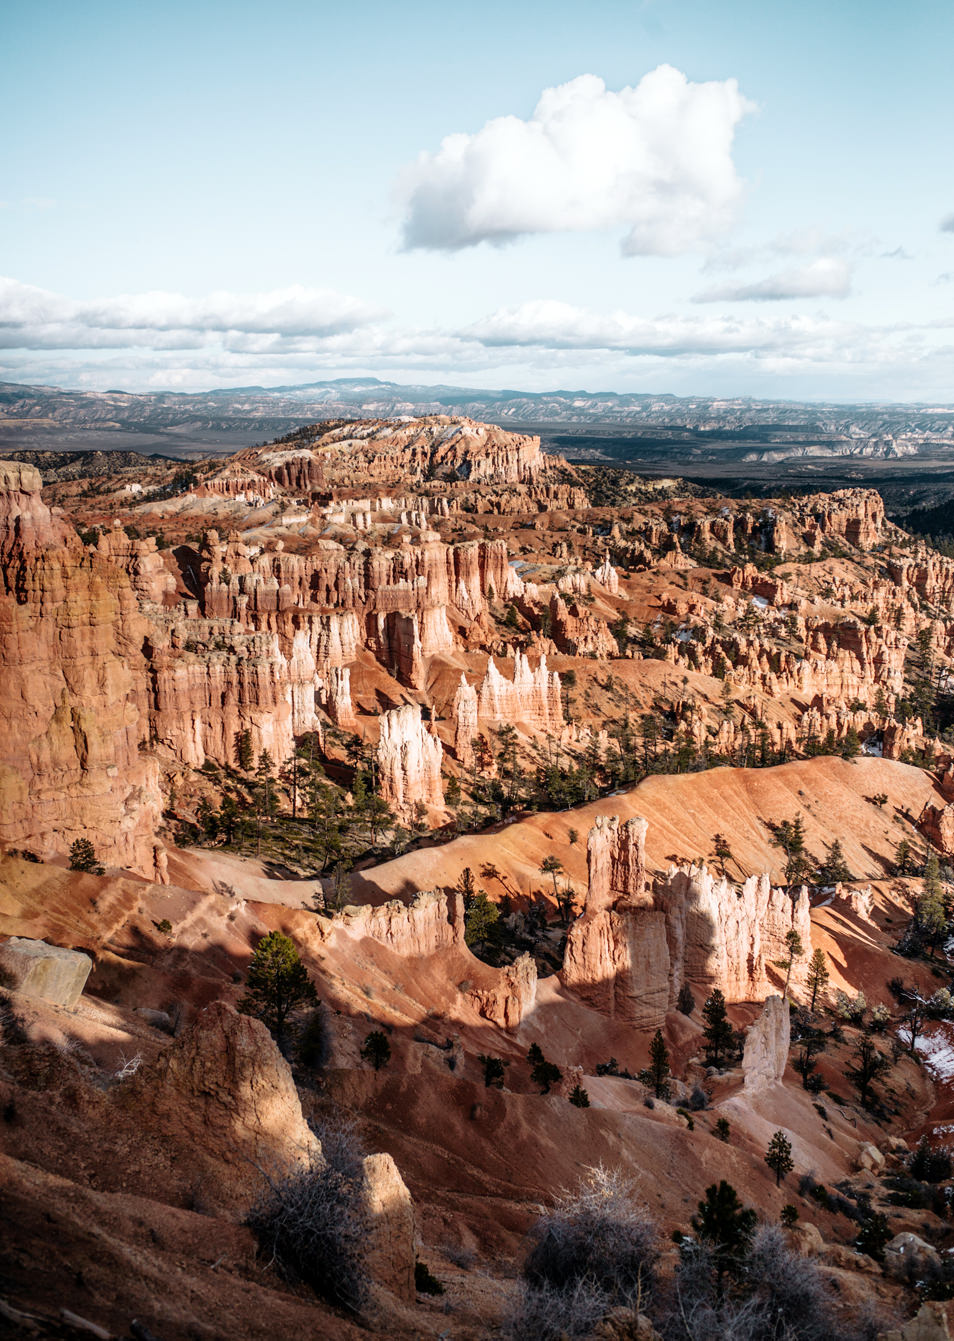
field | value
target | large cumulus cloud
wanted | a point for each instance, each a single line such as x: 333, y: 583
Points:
x: 655, y: 160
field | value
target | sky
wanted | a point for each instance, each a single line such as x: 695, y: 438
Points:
x: 669, y: 196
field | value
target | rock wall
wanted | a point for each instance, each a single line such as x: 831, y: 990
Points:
x: 73, y: 690
x: 633, y: 947
x: 409, y: 762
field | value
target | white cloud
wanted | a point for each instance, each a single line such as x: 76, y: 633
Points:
x: 828, y: 277
x: 947, y: 224
x: 655, y: 159
x: 35, y: 318
x: 783, y: 341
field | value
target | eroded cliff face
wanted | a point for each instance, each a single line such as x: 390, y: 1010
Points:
x: 409, y: 762
x: 634, y: 947
x: 74, y: 691
x: 392, y: 451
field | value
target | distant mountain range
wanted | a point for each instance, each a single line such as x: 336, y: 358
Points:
x: 600, y: 425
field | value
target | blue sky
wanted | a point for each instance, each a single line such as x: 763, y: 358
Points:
x: 732, y: 199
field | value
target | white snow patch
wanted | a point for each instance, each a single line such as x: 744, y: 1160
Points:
x: 936, y: 1049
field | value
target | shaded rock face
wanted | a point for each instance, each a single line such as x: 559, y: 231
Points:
x: 512, y: 997
x: 224, y: 1090
x: 45, y: 971
x: 937, y: 825
x: 766, y: 1047
x: 72, y: 690
x: 928, y: 1324
x: 409, y: 761
x: 392, y: 1233
x: 633, y: 948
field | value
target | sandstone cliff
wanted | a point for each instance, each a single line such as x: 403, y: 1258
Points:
x: 634, y: 947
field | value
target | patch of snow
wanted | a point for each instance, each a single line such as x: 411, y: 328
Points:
x: 936, y: 1049
x: 760, y: 602
x: 873, y: 747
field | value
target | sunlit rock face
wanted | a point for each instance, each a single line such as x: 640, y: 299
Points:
x: 634, y: 946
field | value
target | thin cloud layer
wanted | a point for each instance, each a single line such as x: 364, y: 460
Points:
x: 655, y: 159
x: 947, y: 224
x: 38, y: 319
x: 828, y: 277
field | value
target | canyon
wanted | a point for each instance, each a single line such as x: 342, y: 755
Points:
x: 513, y: 751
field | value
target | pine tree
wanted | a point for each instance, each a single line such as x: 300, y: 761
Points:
x: 725, y: 1227
x: 243, y: 750
x: 904, y: 857
x: 779, y: 1156
x: 793, y: 943
x: 685, y: 1001
x: 376, y: 1049
x: 870, y: 1065
x: 722, y: 851
x: 718, y: 1033
x: 834, y: 869
x: 818, y: 976
x: 579, y: 1097
x: 83, y: 857
x: 277, y: 983
x: 542, y: 1072
x: 659, y: 1065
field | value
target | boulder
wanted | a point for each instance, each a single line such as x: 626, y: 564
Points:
x: 45, y: 971
x: 392, y: 1234
x: 625, y: 1324
x: 928, y: 1324
x: 869, y: 1158
x: 907, y: 1252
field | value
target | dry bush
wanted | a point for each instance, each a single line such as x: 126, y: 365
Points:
x: 784, y: 1297
x: 595, y: 1250
x: 314, y: 1225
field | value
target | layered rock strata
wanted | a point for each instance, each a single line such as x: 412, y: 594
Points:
x: 635, y: 945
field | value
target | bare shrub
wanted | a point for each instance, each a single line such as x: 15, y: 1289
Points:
x: 547, y: 1313
x: 341, y: 1143
x: 12, y: 1030
x: 595, y: 1250
x: 784, y: 1298
x: 314, y: 1225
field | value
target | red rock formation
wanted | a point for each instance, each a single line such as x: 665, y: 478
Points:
x: 532, y: 698
x: 225, y: 1090
x: 464, y: 712
x: 394, y: 451
x: 632, y: 949
x: 577, y: 632
x: 74, y: 687
x: 409, y: 762
x: 417, y: 929
x: 511, y: 998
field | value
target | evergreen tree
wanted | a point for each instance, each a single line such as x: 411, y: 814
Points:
x: 834, y: 869
x: 870, y: 1065
x: 243, y: 750
x: 718, y: 1032
x: 685, y: 1001
x: 818, y: 976
x: 659, y: 1065
x: 376, y: 1049
x: 579, y: 1097
x: 722, y: 851
x: 904, y: 858
x: 779, y: 1156
x: 793, y: 943
x: 493, y: 1071
x: 83, y: 857
x: 725, y: 1227
x: 277, y: 983
x: 542, y: 1072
